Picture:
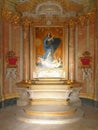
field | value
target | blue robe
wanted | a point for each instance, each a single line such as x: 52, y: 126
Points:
x: 50, y: 46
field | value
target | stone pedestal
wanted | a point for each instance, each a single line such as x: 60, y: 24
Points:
x: 23, y: 97
x: 51, y: 101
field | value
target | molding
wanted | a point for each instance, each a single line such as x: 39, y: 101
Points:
x: 87, y: 96
x: 49, y: 102
x: 9, y: 96
x: 17, y: 19
x: 39, y: 113
x: 12, y: 101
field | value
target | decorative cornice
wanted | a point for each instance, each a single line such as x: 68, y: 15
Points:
x: 91, y: 16
x: 26, y: 21
x: 82, y: 20
x: 9, y: 96
x: 17, y: 19
x: 10, y: 17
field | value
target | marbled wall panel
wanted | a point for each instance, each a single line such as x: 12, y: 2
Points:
x: 93, y: 54
x: 81, y: 49
x: 5, y: 43
x: 16, y: 36
x: 87, y: 43
x: 0, y: 55
x: 11, y: 41
x: 72, y: 54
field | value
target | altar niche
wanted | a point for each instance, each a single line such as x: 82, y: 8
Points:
x: 46, y: 93
x: 49, y: 55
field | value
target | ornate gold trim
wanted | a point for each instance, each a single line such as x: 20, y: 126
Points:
x: 9, y: 96
x: 48, y: 102
x: 26, y: 21
x: 10, y: 17
x: 87, y: 96
x: 39, y: 113
x: 53, y: 85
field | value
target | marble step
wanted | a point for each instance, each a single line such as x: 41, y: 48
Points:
x: 64, y: 119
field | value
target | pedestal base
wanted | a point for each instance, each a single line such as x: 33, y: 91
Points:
x: 45, y: 118
x: 52, y: 102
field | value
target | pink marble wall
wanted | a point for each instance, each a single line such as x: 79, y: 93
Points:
x: 87, y: 43
x: 8, y: 87
x: 88, y: 87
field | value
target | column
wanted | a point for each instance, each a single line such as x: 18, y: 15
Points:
x: 65, y: 53
x: 31, y: 52
x: 21, y: 53
x: 71, y: 54
x: 76, y: 53
x: 26, y: 51
x: 10, y: 49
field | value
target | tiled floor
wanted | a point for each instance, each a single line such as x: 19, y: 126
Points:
x: 8, y: 121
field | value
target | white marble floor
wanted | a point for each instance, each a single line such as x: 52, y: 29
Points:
x: 8, y: 121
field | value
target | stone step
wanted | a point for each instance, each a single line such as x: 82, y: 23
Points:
x: 64, y: 119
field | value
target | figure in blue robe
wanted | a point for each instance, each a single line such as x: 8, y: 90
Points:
x: 50, y: 45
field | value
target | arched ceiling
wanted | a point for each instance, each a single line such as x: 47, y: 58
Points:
x: 80, y: 7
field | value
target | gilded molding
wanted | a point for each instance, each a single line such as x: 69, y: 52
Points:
x: 10, y: 17
x: 91, y: 17
x: 26, y: 21
x: 72, y: 22
x: 6, y: 15
x: 15, y: 19
x: 9, y: 96
x: 40, y: 113
x: 49, y: 102
x: 82, y: 20
x: 88, y: 96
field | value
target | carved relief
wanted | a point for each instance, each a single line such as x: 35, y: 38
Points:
x: 26, y: 21
x: 6, y: 15
x: 10, y: 17
x: 82, y: 20
x: 53, y: 20
x: 49, y: 8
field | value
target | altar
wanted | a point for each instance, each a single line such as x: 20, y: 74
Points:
x: 49, y: 101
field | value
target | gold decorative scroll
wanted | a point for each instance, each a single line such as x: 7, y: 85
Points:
x: 82, y: 20
x: 26, y: 21
x: 10, y: 17
x: 91, y: 16
x: 71, y: 22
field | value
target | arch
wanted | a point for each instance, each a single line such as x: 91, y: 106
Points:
x: 49, y: 8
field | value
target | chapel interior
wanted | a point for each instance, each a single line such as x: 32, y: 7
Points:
x: 48, y: 64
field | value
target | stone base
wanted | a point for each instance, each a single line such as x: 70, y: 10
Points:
x: 51, y: 101
x: 60, y: 117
